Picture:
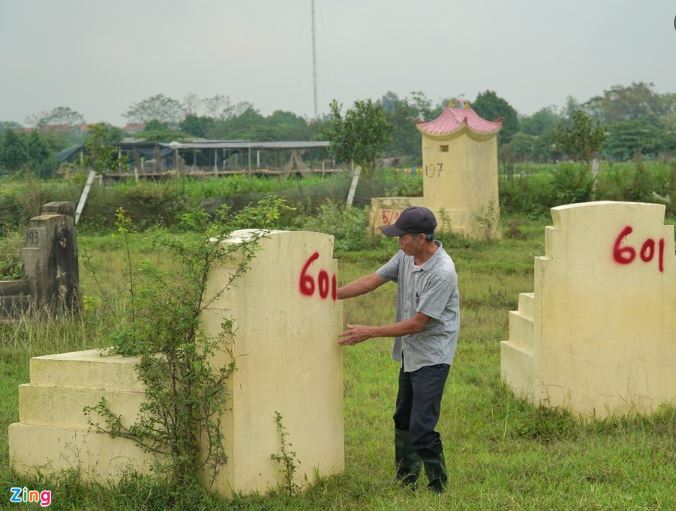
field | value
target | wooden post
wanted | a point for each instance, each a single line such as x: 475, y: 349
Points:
x: 216, y: 162
x: 353, y: 186
x: 258, y: 159
x: 85, y: 194
x: 249, y: 161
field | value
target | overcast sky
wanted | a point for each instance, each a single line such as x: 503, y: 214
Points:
x: 99, y: 57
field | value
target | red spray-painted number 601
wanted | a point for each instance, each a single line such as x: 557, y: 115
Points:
x: 626, y: 255
x: 307, y: 282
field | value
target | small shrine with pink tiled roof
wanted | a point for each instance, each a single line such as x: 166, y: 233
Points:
x: 460, y: 174
x: 455, y: 121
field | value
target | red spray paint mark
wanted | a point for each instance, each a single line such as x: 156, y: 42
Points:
x: 389, y: 216
x: 648, y: 251
x: 307, y: 282
x: 623, y: 255
x: 323, y: 281
x: 627, y: 254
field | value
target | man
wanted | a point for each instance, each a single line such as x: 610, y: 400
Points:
x: 426, y: 334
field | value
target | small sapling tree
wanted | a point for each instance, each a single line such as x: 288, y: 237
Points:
x: 360, y: 135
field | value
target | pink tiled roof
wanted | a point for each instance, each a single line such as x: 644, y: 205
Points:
x: 452, y: 120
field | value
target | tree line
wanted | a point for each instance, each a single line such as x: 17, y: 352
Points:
x: 617, y: 124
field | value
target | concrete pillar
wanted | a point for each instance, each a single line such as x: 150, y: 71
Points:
x: 50, y: 259
x: 288, y: 360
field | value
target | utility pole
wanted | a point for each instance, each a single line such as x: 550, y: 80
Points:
x: 314, y: 58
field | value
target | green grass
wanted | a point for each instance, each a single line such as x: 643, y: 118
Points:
x: 502, y: 453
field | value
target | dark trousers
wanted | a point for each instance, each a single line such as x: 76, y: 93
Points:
x: 419, y: 405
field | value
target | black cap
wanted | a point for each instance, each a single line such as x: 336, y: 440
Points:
x: 414, y: 220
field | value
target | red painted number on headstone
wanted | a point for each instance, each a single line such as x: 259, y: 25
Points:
x: 389, y: 216
x: 623, y: 255
x: 307, y: 282
x: 627, y: 255
x: 323, y: 281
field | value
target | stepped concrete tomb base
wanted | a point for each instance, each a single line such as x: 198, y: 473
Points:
x: 598, y: 335
x: 287, y: 321
x: 53, y: 433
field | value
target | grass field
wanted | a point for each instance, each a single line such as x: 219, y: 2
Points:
x: 501, y: 452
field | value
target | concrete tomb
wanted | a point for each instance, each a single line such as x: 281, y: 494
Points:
x: 50, y: 259
x: 287, y: 321
x: 598, y: 335
x: 460, y: 175
x: 288, y: 360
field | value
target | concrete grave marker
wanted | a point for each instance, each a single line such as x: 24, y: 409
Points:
x: 460, y: 175
x: 598, y: 335
x: 51, y: 282
x: 287, y: 322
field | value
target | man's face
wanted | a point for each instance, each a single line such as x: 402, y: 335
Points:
x: 411, y: 243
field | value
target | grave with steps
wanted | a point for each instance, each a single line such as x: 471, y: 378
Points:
x: 287, y: 321
x: 597, y: 337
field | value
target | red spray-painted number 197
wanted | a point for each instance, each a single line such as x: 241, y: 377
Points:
x: 308, y: 285
x: 627, y: 254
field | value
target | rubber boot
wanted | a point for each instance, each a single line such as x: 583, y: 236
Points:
x: 406, y: 459
x: 435, y: 469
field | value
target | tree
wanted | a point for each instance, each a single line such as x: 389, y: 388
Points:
x: 196, y: 125
x: 13, y: 151
x: 218, y: 107
x: 240, y: 126
x: 159, y: 108
x: 626, y: 139
x: 9, y: 125
x: 59, y: 116
x: 490, y: 106
x: 402, y: 114
x: 542, y: 121
x: 579, y: 137
x: 634, y: 102
x: 360, y: 136
x: 38, y: 149
x: 100, y: 154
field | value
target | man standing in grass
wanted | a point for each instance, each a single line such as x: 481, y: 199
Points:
x: 426, y: 334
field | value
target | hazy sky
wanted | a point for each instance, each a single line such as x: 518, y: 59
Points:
x: 99, y: 57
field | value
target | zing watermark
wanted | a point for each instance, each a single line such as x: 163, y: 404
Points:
x: 25, y: 496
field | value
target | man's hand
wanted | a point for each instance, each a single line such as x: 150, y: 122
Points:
x: 355, y: 334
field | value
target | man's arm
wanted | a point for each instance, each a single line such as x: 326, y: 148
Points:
x: 358, y: 333
x: 362, y: 285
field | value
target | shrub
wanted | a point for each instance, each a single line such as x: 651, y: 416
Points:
x: 572, y: 183
x: 348, y: 225
x: 11, y: 265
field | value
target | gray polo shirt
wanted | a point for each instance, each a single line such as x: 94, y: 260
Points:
x: 433, y: 290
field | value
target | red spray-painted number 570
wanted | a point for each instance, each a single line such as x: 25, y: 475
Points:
x: 308, y: 285
x: 627, y: 254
